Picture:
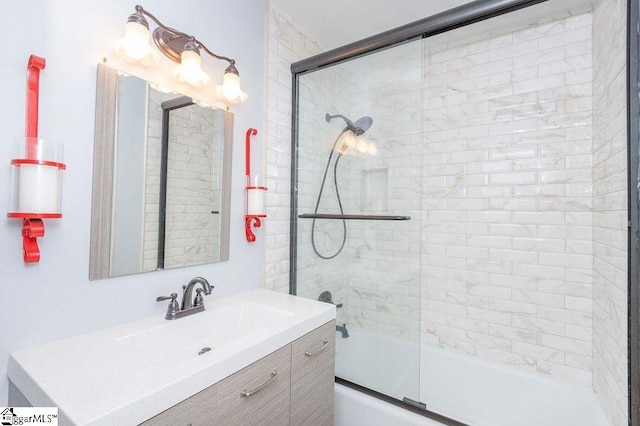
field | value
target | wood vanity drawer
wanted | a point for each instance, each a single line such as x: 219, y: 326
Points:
x: 299, y: 394
x: 312, y: 377
x: 223, y: 403
x: 268, y: 406
x: 199, y: 410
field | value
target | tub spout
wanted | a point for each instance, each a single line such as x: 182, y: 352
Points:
x: 343, y: 330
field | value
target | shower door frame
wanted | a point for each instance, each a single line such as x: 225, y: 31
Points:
x: 633, y: 187
x: 455, y: 18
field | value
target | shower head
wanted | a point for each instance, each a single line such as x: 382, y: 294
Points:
x: 361, y: 125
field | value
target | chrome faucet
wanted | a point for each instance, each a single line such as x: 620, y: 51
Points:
x: 187, y: 292
x: 190, y: 305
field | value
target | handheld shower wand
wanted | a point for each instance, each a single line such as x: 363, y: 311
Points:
x: 358, y: 128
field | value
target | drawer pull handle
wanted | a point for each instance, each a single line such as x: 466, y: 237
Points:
x: 247, y: 393
x: 324, y: 345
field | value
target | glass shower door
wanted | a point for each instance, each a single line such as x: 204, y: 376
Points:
x: 357, y: 216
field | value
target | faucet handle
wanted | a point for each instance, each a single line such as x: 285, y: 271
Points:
x: 173, y: 297
x: 173, y: 307
x: 326, y: 297
x: 198, y: 300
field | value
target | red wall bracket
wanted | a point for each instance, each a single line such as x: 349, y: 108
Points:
x: 35, y: 64
x: 248, y: 222
x: 31, y: 229
x: 251, y: 217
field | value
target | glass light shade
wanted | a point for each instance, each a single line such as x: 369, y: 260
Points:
x: 348, y: 142
x: 159, y: 88
x: 372, y: 149
x: 363, y: 145
x: 256, y: 196
x: 134, y: 46
x: 200, y: 103
x: 190, y: 69
x: 230, y: 88
x: 36, y: 179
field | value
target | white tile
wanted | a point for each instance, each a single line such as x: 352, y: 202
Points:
x: 539, y: 325
x: 577, y: 332
x: 579, y: 304
x: 538, y: 352
x: 570, y: 317
x: 538, y: 298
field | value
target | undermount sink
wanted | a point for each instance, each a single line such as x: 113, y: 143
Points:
x: 202, y: 334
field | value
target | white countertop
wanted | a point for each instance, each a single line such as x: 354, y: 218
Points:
x: 94, y: 379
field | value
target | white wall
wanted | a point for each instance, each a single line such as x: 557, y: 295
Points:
x: 54, y: 298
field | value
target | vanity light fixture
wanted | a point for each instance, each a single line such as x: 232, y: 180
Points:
x: 181, y: 48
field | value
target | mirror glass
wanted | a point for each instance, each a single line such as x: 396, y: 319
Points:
x: 161, y: 179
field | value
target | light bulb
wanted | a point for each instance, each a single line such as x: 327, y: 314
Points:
x: 230, y: 85
x: 363, y: 145
x: 348, y: 142
x: 230, y: 88
x: 190, y: 69
x: 372, y: 149
x: 135, y: 43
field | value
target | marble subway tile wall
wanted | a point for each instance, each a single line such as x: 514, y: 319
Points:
x: 610, y: 210
x: 286, y: 44
x: 152, y: 182
x: 521, y: 203
x: 320, y: 93
x: 384, y: 256
x: 507, y: 202
x: 192, y: 232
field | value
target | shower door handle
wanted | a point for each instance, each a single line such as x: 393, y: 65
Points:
x: 324, y: 345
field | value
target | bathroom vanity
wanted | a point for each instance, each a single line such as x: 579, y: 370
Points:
x: 258, y: 357
x: 293, y: 385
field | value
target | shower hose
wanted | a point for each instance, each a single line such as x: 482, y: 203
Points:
x: 335, y: 180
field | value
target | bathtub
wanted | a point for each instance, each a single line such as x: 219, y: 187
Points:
x: 465, y: 388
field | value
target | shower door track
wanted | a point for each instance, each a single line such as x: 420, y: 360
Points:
x: 402, y: 404
x: 351, y: 216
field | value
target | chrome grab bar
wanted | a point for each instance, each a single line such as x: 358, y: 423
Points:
x: 247, y: 393
x: 324, y: 345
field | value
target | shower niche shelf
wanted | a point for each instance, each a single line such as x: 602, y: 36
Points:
x: 352, y: 216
